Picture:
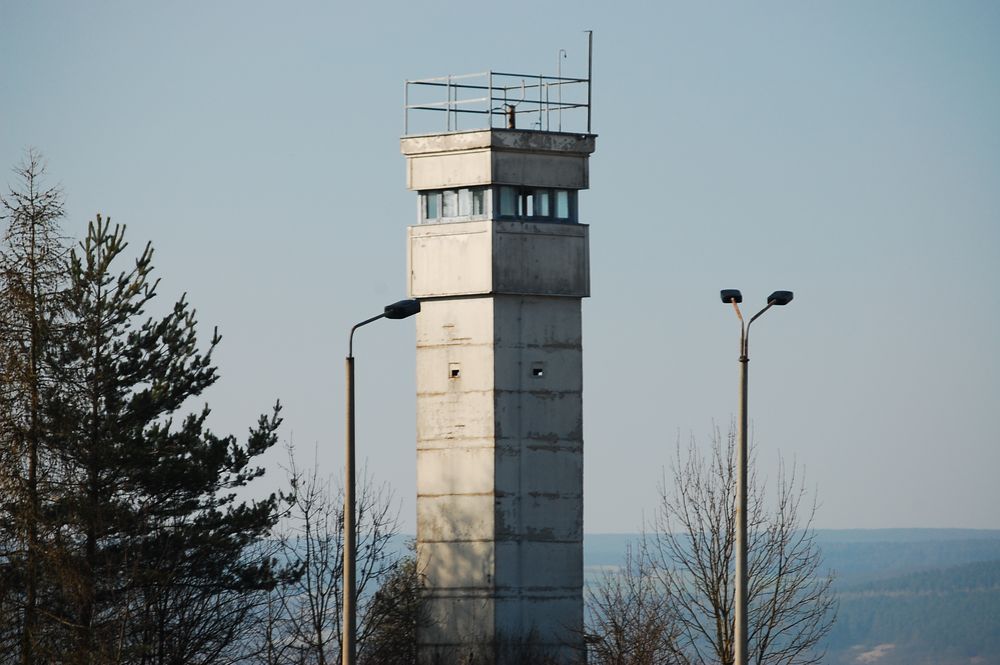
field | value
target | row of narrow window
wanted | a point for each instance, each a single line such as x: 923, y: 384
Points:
x: 468, y: 202
x: 503, y: 202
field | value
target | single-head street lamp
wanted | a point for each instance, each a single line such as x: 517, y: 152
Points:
x: 731, y: 295
x: 734, y: 297
x: 348, y: 647
x: 780, y: 298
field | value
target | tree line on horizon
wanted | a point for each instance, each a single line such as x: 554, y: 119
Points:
x: 945, y: 616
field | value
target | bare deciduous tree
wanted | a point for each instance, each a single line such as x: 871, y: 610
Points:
x: 304, y: 619
x: 631, y: 620
x: 685, y: 571
x: 690, y: 547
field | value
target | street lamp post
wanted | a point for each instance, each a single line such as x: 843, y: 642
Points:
x: 734, y: 297
x: 348, y: 646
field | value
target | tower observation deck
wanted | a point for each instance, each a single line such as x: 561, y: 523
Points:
x: 488, y: 100
x: 499, y: 258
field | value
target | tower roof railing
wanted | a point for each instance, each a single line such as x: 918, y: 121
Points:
x: 496, y: 99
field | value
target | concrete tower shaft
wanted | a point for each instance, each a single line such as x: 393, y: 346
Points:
x: 500, y: 263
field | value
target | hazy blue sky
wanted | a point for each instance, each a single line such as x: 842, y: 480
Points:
x: 848, y: 151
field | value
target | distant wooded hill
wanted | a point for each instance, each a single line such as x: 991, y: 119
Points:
x: 907, y: 596
x: 949, y: 615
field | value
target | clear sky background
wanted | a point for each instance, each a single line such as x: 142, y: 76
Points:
x: 847, y: 151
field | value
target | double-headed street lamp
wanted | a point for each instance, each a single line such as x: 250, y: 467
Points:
x: 734, y: 297
x: 348, y: 646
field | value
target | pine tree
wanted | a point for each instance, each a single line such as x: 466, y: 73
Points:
x: 154, y: 546
x: 121, y: 538
x: 32, y: 274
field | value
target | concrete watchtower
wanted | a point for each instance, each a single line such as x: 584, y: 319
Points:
x: 500, y: 262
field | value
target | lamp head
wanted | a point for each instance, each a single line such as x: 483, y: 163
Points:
x: 402, y: 309
x: 732, y: 295
x: 780, y: 298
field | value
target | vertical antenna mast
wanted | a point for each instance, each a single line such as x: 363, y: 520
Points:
x: 559, y: 59
x: 590, y: 74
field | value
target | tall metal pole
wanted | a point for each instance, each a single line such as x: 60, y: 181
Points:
x: 741, y: 647
x: 348, y: 646
x: 348, y: 638
x: 740, y: 637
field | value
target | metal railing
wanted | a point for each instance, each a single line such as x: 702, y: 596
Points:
x: 499, y: 99
x: 492, y: 99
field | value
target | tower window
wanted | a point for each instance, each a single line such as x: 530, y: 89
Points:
x: 562, y: 204
x: 545, y: 205
x: 447, y: 205
x: 542, y: 203
x: 537, y: 370
x: 537, y: 204
x: 528, y: 204
x: 454, y: 371
x: 508, y: 202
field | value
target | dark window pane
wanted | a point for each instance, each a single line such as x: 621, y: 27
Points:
x: 542, y: 203
x: 562, y: 204
x: 508, y: 202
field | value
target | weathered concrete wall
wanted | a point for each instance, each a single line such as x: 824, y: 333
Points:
x: 455, y: 473
x: 450, y: 259
x: 538, y: 469
x: 499, y: 257
x: 500, y: 472
x: 498, y: 156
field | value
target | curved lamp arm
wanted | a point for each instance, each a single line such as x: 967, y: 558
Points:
x: 398, y: 310
x: 735, y: 297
